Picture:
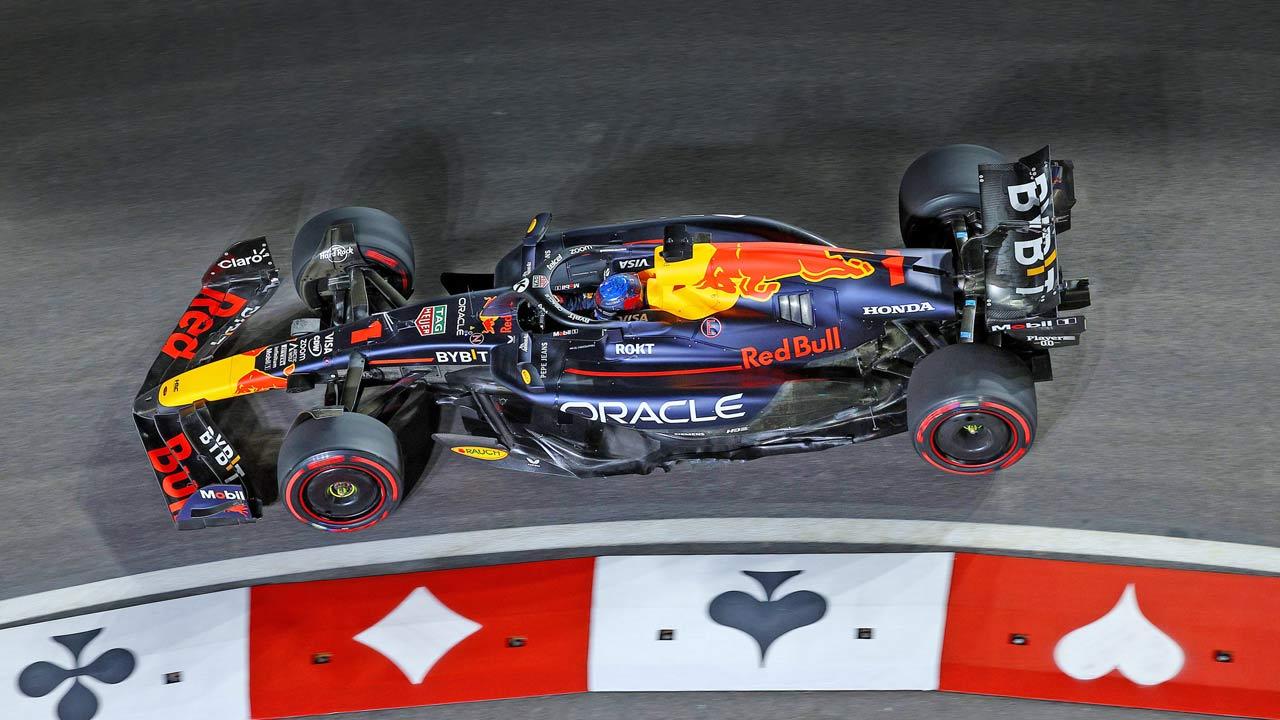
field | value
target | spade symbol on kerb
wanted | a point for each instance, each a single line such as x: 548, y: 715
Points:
x: 767, y: 620
x: 78, y: 703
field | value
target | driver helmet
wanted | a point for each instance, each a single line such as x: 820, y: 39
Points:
x: 620, y: 293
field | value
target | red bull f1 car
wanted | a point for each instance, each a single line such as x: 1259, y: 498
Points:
x: 631, y: 347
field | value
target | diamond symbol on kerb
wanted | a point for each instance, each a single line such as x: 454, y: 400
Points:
x: 417, y: 633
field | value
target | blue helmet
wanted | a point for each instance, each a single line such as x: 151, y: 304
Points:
x: 620, y: 292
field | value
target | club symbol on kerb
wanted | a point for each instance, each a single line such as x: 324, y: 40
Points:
x: 78, y: 703
x: 767, y: 620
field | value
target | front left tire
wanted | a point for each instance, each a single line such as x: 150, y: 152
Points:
x: 340, y: 472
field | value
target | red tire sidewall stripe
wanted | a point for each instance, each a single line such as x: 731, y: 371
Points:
x: 953, y: 471
x: 288, y: 495
x: 391, y: 478
x: 322, y: 462
x: 933, y: 448
x: 1016, y: 449
x: 1026, y: 427
x: 385, y: 478
x: 341, y: 523
x: 390, y: 263
x: 930, y: 417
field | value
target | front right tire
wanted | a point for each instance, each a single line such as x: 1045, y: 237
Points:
x: 383, y: 243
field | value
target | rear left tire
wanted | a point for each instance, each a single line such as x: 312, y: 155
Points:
x: 341, y: 472
x: 971, y: 409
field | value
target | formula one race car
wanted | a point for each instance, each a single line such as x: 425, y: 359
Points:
x: 630, y: 347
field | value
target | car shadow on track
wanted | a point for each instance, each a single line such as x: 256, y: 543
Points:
x: 410, y: 172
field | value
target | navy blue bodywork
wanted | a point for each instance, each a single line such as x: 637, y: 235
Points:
x: 807, y: 365
x: 754, y: 338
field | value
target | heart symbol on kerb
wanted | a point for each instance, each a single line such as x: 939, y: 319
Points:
x: 1123, y: 639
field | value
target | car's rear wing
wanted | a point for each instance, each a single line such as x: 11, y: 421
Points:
x: 198, y: 469
x: 1031, y: 201
x: 1025, y: 205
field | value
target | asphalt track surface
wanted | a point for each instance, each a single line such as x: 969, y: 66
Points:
x: 766, y: 706
x: 139, y: 139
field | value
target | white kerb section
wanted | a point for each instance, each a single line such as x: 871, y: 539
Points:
x: 182, y: 658
x: 768, y: 622
x: 919, y: 533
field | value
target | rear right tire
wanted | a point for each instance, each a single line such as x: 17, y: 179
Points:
x: 940, y: 184
x: 971, y: 409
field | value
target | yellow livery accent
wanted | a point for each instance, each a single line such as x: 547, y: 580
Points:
x: 716, y: 276
x: 480, y: 453
x: 1047, y: 262
x: 218, y: 380
x: 678, y: 287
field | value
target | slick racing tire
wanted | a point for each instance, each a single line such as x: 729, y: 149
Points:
x: 340, y: 472
x: 940, y: 184
x: 971, y: 409
x: 383, y: 242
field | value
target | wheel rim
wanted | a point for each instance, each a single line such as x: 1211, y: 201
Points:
x: 973, y: 438
x: 342, y: 493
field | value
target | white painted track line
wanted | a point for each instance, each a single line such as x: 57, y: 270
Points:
x: 921, y: 533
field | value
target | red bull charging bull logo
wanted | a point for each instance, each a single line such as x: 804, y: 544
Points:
x: 257, y: 381
x: 718, y: 275
x: 754, y: 271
